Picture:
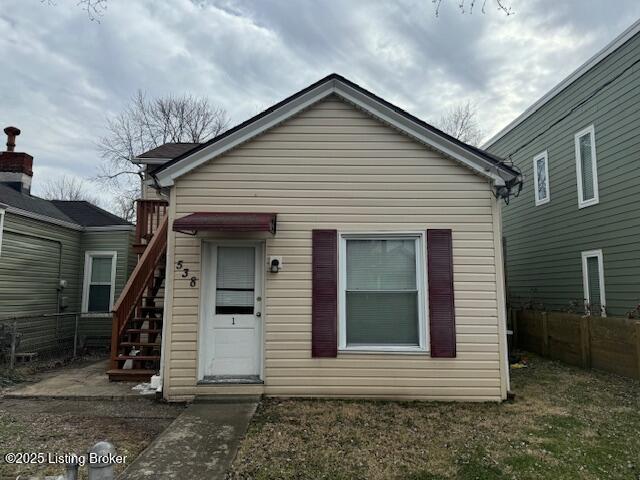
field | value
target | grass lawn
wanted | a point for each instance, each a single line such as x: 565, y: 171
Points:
x: 565, y: 423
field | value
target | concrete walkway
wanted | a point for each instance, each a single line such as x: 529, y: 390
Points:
x: 84, y: 383
x: 199, y: 445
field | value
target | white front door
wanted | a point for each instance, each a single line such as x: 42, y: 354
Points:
x: 232, y: 329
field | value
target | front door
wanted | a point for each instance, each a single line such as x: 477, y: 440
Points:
x: 231, y: 340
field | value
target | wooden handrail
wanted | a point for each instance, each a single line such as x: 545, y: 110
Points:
x: 138, y: 281
x: 149, y: 216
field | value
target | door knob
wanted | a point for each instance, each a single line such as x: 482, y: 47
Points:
x: 258, y: 314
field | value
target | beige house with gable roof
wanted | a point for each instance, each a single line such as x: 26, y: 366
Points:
x: 332, y: 246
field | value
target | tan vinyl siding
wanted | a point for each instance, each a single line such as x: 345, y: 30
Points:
x: 333, y: 166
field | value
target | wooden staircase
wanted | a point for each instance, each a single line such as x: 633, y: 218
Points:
x: 136, y: 335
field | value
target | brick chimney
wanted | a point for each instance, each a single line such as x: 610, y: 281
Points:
x: 16, y: 168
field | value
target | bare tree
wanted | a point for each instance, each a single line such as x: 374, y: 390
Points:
x: 467, y: 6
x: 94, y: 8
x: 460, y: 122
x: 146, y: 124
x: 68, y: 188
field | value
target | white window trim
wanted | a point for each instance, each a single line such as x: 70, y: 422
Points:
x: 421, y: 274
x: 594, y: 167
x: 547, y: 197
x: 585, y: 278
x: 2, y: 212
x: 88, y: 256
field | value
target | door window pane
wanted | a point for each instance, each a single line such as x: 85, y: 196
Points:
x: 235, y: 280
x: 381, y: 292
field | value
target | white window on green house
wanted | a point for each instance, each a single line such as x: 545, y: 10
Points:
x: 586, y: 167
x: 99, y: 281
x: 593, y: 283
x: 541, y: 178
x: 382, y: 304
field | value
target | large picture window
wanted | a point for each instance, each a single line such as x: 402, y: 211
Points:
x: 586, y: 167
x: 382, y: 292
x: 99, y: 282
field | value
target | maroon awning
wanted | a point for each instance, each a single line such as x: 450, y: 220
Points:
x: 226, y: 222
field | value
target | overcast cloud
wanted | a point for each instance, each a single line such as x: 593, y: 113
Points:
x: 63, y: 75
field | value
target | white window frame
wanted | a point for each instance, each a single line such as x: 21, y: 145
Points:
x: 594, y: 167
x: 2, y: 213
x: 541, y: 201
x: 421, y: 285
x: 88, y: 257
x: 585, y: 278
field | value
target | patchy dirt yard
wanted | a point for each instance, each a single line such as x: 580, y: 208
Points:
x: 65, y: 426
x: 565, y: 423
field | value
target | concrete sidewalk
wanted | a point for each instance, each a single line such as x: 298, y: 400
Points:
x: 199, y: 445
x: 72, y: 383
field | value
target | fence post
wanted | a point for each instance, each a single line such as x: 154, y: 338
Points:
x: 14, y: 339
x: 638, y: 346
x: 75, y: 338
x: 585, y: 341
x: 71, y: 472
x: 103, y: 469
x: 545, y: 334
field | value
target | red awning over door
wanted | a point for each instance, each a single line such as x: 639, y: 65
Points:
x: 226, y: 222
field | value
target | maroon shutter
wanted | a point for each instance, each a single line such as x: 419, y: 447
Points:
x: 442, y: 321
x: 324, y: 310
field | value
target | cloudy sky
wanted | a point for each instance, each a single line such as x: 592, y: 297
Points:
x: 63, y: 75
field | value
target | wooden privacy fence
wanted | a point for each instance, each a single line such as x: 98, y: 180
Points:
x: 605, y: 343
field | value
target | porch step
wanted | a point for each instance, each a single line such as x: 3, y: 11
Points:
x: 151, y: 309
x: 137, y: 357
x: 131, y: 375
x: 140, y: 344
x: 143, y: 330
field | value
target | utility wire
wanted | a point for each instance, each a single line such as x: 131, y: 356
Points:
x: 575, y: 107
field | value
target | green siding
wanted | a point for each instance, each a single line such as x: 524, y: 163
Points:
x: 544, y: 243
x: 99, y: 326
x: 34, y: 256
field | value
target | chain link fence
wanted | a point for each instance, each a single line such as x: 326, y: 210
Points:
x: 40, y: 338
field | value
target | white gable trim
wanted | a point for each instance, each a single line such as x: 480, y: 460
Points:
x: 375, y: 108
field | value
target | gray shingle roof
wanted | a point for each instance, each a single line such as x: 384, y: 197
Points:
x: 12, y: 198
x: 88, y: 214
x: 168, y: 150
x: 81, y: 213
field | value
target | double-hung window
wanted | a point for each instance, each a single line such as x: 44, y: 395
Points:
x: 586, y: 167
x: 593, y: 283
x: 541, y: 178
x: 99, y: 281
x: 382, y: 304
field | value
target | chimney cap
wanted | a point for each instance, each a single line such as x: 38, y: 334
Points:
x: 14, y: 131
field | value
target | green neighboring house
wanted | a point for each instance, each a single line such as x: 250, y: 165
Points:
x: 573, y: 234
x: 58, y: 256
